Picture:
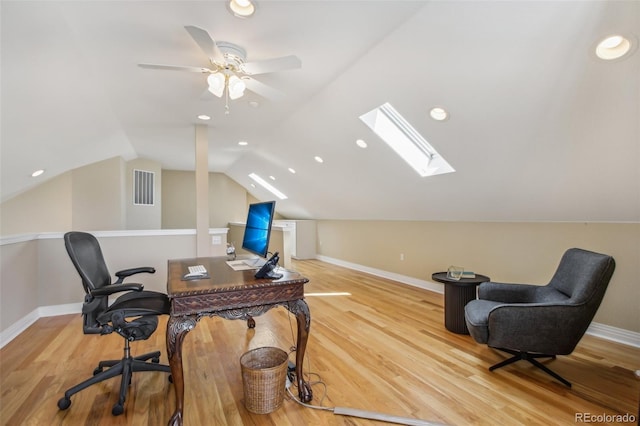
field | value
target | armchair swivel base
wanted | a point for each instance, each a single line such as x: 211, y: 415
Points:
x: 125, y: 368
x: 531, y: 357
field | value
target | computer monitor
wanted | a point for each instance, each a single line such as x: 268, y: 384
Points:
x: 258, y: 229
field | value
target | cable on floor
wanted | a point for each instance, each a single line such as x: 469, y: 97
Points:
x: 344, y: 411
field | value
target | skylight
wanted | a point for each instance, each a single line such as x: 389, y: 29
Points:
x: 396, y: 132
x: 266, y: 185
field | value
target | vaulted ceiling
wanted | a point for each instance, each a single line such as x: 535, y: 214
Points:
x: 539, y: 128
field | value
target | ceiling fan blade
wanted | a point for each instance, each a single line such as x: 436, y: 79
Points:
x: 206, y: 43
x: 272, y: 65
x: 263, y: 90
x: 175, y: 68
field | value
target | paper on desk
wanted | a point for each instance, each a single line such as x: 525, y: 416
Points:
x: 239, y: 265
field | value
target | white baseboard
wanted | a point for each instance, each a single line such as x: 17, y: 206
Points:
x: 43, y: 311
x: 415, y: 282
x: 603, y: 331
x: 18, y: 327
x: 54, y: 310
x: 614, y: 334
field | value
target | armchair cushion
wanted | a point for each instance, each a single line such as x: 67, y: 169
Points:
x: 477, y: 317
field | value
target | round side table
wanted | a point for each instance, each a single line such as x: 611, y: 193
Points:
x: 456, y: 295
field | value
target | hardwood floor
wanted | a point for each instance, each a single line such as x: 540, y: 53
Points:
x: 377, y: 346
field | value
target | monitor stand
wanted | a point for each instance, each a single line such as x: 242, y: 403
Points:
x: 255, y: 262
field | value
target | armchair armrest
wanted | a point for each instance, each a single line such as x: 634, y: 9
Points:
x: 132, y: 271
x: 537, y: 327
x: 506, y: 293
x: 116, y: 288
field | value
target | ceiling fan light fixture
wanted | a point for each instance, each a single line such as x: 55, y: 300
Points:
x: 241, y: 8
x: 216, y: 83
x: 236, y: 87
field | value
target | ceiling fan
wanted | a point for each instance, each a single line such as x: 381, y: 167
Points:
x: 230, y: 74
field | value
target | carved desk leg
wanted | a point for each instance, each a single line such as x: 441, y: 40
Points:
x: 177, y: 329
x: 301, y: 310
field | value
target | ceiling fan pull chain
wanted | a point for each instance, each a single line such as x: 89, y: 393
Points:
x: 226, y: 98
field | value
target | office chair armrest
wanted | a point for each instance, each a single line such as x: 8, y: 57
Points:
x: 116, y: 288
x: 132, y: 271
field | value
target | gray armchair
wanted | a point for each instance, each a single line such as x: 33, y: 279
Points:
x: 531, y: 321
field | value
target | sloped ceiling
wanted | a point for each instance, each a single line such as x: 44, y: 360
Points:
x: 539, y: 128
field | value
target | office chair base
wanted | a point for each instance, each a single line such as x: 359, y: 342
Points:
x: 125, y: 368
x: 527, y: 356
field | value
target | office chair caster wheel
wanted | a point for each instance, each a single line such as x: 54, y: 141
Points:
x: 64, y: 403
x: 117, y: 410
x: 170, y: 378
x: 155, y: 360
x: 97, y: 371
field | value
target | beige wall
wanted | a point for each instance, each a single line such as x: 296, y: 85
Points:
x: 87, y: 198
x: 19, y: 289
x: 228, y: 200
x: 179, y: 199
x: 100, y: 197
x: 507, y: 252
x: 98, y: 201
x: 45, y: 208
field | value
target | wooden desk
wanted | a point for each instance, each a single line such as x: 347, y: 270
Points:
x: 232, y: 295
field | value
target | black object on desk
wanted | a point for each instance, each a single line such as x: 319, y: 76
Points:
x: 457, y: 293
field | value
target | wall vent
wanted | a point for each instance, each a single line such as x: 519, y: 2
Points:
x: 143, y: 189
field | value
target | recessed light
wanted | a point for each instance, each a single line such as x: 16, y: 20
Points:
x: 318, y: 159
x: 243, y: 143
x: 254, y: 104
x: 361, y: 143
x: 292, y: 170
x: 37, y: 173
x: 613, y: 47
x: 204, y: 117
x: 241, y: 8
x: 439, y: 114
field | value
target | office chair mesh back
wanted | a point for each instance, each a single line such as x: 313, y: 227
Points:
x: 86, y: 255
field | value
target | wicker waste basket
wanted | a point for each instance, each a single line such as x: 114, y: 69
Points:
x: 264, y: 372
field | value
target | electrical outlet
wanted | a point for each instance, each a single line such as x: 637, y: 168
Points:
x: 401, y: 256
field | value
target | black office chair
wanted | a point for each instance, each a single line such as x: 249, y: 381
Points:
x: 142, y: 307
